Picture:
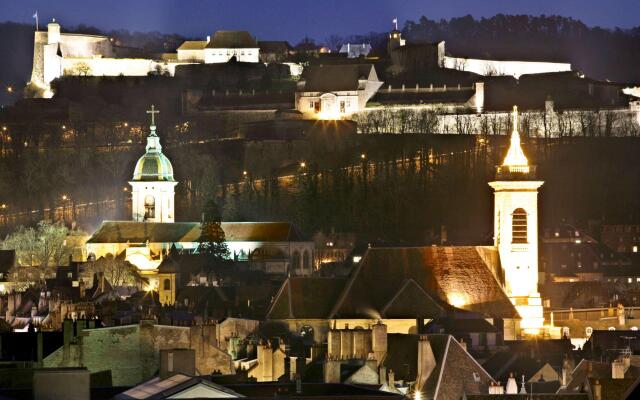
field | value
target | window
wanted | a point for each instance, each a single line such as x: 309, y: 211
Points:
x: 588, y: 331
x: 296, y: 260
x: 342, y: 107
x: 167, y: 284
x: 519, y: 226
x: 149, y: 207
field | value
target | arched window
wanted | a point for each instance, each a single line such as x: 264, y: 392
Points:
x: 167, y: 284
x: 296, y: 260
x: 306, y: 260
x: 149, y: 207
x: 519, y: 226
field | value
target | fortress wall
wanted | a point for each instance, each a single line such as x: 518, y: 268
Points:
x: 107, y: 66
x: 85, y: 46
x: 496, y: 67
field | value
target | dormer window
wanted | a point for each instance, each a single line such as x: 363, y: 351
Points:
x: 149, y: 207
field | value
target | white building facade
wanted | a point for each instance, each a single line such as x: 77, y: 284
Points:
x: 335, y: 91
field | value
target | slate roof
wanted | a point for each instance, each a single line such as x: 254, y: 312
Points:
x: 174, y: 385
x: 328, y: 78
x: 613, y: 389
x: 189, y: 232
x: 388, y: 281
x: 453, y: 374
x: 193, y: 45
x: 232, y: 40
x: 274, y: 46
x: 306, y: 297
x: 600, y: 370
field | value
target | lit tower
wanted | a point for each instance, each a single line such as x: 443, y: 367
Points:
x: 516, y: 231
x: 395, y: 38
x: 152, y: 186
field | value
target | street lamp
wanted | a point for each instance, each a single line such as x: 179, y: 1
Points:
x: 303, y: 164
x: 9, y: 89
x: 65, y: 197
x: 363, y: 156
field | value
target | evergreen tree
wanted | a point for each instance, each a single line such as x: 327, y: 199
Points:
x: 212, y: 240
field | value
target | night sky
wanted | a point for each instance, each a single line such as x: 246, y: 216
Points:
x: 291, y: 20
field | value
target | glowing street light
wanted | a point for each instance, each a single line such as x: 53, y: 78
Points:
x: 3, y: 206
x: 303, y: 164
x: 244, y: 173
x: 125, y: 189
x: 9, y: 89
x: 363, y: 156
x: 126, y: 124
x: 64, y: 127
x: 65, y: 197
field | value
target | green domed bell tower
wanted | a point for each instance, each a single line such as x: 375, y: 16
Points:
x: 153, y: 186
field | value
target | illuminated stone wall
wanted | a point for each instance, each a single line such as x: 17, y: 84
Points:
x: 497, y: 67
x: 132, y: 352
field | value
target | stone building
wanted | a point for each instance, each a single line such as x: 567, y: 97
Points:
x: 224, y: 46
x: 132, y: 352
x: 335, y: 91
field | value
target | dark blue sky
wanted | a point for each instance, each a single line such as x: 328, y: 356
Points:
x: 291, y: 20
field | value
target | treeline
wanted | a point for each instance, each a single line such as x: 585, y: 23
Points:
x: 601, y: 53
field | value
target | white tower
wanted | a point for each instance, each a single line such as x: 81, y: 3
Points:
x: 516, y: 231
x: 152, y: 186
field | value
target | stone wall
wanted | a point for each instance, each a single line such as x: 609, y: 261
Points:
x: 132, y: 352
x: 497, y: 67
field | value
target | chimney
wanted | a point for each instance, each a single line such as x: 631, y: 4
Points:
x: 332, y: 370
x: 496, y: 388
x: 426, y: 362
x: 382, y: 375
x: 392, y: 379
x: 463, y: 344
x: 597, y: 390
x: 379, y: 341
x: 177, y: 361
x: 512, y: 386
x: 617, y: 369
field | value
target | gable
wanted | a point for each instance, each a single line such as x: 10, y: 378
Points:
x: 410, y: 301
x: 202, y: 391
x: 306, y: 297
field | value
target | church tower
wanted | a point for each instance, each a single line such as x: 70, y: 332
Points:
x: 516, y: 231
x: 152, y: 186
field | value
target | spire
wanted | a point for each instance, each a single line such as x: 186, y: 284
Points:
x: 153, y: 141
x: 515, y: 155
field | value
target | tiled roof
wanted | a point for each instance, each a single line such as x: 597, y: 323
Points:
x: 232, y: 40
x: 455, y: 372
x: 189, y: 232
x: 302, y: 297
x: 446, y: 274
x: 328, y: 78
x: 193, y: 45
x: 274, y: 46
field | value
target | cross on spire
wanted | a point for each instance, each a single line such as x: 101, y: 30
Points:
x: 153, y: 113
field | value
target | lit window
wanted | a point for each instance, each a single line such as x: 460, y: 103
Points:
x: 629, y: 280
x: 611, y: 328
x: 634, y: 328
x: 635, y: 249
x: 519, y: 226
x: 588, y: 331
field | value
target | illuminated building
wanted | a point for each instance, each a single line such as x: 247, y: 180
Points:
x: 516, y: 231
x: 152, y: 186
x: 332, y: 92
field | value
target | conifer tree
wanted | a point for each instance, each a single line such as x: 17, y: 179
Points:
x: 212, y: 239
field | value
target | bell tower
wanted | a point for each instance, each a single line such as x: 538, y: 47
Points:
x: 516, y: 231
x: 153, y: 186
